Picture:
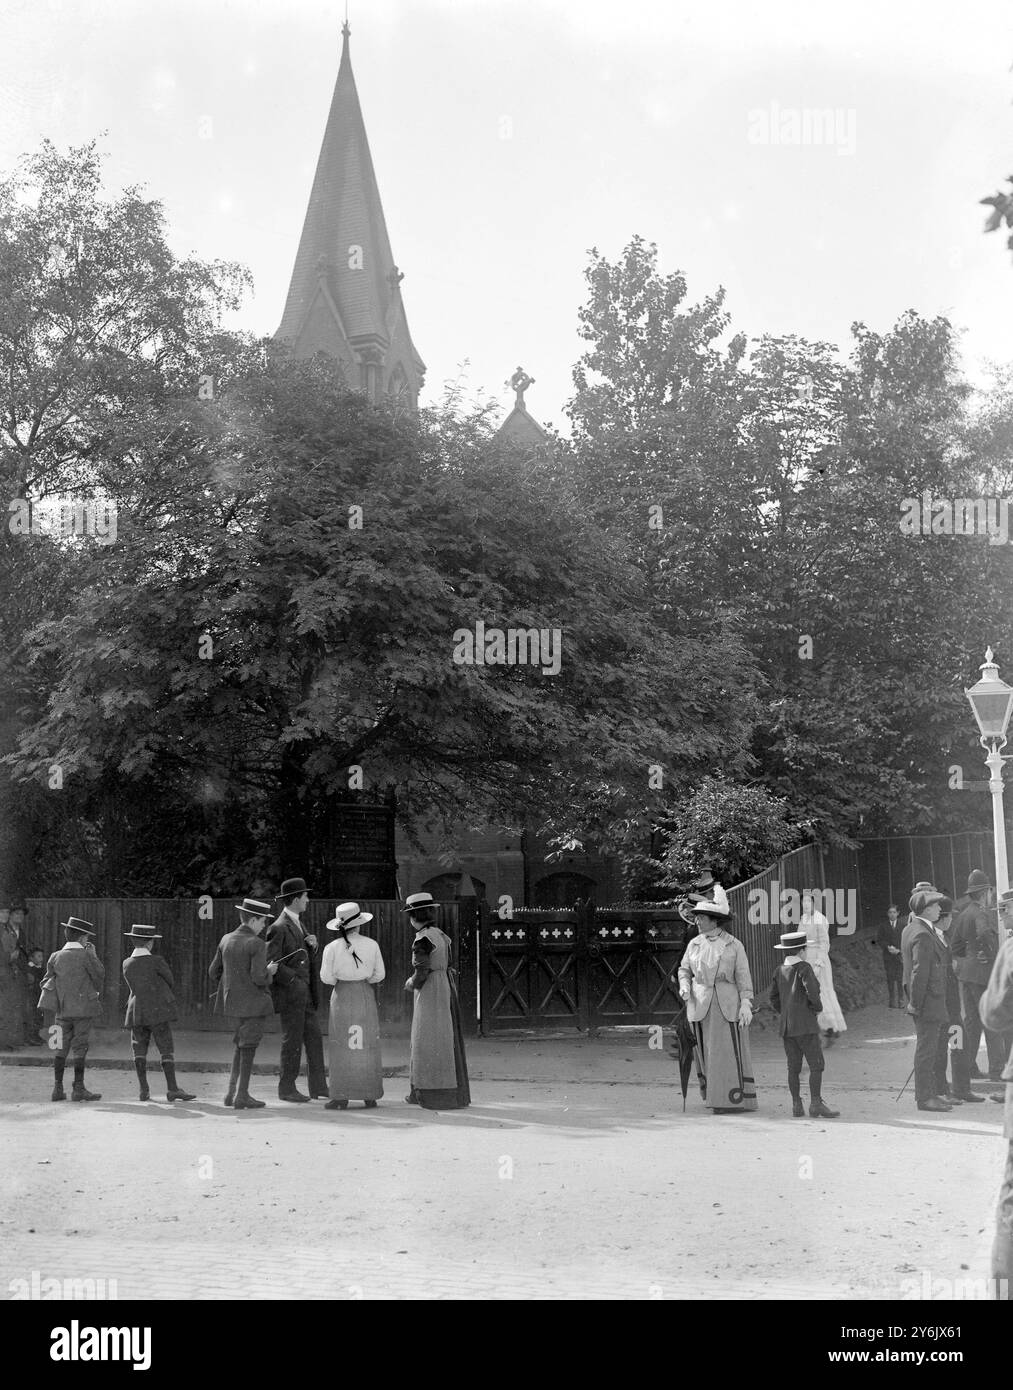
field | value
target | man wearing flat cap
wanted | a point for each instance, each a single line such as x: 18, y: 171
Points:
x: 926, y: 961
x: 72, y: 986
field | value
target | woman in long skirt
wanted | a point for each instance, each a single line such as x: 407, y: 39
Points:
x: 817, y: 930
x: 438, y: 1071
x: 352, y: 964
x: 715, y: 983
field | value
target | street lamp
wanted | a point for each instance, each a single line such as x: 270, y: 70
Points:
x: 992, y: 703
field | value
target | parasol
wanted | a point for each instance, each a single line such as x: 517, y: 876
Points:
x: 682, y: 1049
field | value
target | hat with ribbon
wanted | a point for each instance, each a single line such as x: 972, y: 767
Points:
x: 415, y: 902
x: 347, y: 917
x: 292, y: 888
x: 143, y: 933
x: 253, y: 908
x: 80, y: 925
x: 705, y: 908
x: 792, y: 941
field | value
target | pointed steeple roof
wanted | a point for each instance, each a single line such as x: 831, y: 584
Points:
x: 345, y: 294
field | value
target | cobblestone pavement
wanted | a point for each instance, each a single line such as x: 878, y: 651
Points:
x: 540, y: 1190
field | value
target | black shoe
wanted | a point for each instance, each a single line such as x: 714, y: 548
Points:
x: 934, y: 1104
x: 412, y: 1099
x: 144, y: 1095
x: 294, y: 1095
x: 951, y: 1098
x: 822, y: 1111
x: 177, y: 1094
x: 369, y: 1104
x: 797, y: 1109
x: 80, y: 1093
x: 58, y: 1093
x: 247, y: 1103
x: 336, y: 1105
x: 970, y: 1096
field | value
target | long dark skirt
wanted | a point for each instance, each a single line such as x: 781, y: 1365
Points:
x: 724, y: 1066
x: 456, y: 1097
x: 356, y: 1067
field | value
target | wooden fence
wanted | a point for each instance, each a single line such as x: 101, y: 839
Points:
x: 189, y: 941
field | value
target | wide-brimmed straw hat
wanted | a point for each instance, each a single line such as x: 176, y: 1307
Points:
x: 347, y: 917
x: 792, y: 941
x: 710, y: 909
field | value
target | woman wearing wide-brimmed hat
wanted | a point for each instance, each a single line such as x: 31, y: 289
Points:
x: 438, y: 1070
x: 715, y: 983
x: 353, y: 964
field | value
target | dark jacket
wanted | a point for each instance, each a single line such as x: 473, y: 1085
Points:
x: 974, y: 942
x: 795, y: 995
x: 240, y: 964
x: 890, y: 936
x: 996, y: 1006
x: 73, y: 983
x: 926, y: 965
x: 299, y: 975
x: 151, y: 998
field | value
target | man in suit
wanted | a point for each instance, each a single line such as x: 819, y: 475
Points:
x: 72, y: 985
x: 974, y: 944
x: 925, y: 965
x: 150, y: 1010
x: 888, y: 939
x: 997, y: 1014
x: 795, y: 995
x: 243, y: 975
x: 296, y: 993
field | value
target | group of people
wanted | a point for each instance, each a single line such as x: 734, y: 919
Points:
x: 945, y: 954
x: 268, y: 965
x: 716, y: 988
x: 21, y: 969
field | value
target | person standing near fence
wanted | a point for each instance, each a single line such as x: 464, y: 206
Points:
x: 151, y: 1010
x: 296, y: 994
x: 353, y: 965
x: 817, y: 930
x: 438, y: 1069
x: 795, y: 995
x: 974, y: 944
x: 72, y: 985
x: 888, y: 937
x: 950, y: 1049
x: 717, y: 989
x: 997, y: 1014
x: 241, y: 972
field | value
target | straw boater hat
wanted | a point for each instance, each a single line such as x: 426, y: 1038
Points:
x: 144, y: 933
x: 792, y: 941
x: 253, y: 908
x: 415, y: 902
x: 79, y: 924
x: 347, y: 917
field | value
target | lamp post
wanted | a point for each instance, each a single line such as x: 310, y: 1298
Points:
x: 992, y: 703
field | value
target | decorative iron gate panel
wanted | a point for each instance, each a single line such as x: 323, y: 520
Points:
x: 543, y: 969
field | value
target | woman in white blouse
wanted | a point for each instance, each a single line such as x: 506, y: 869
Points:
x: 352, y: 963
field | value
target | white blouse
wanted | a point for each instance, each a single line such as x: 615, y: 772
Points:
x: 338, y: 963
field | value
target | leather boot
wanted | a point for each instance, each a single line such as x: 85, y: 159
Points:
x: 230, y: 1094
x: 141, y: 1068
x: 78, y: 1090
x: 58, y: 1092
x: 818, y: 1108
x: 172, y: 1091
x: 244, y: 1101
x: 797, y: 1108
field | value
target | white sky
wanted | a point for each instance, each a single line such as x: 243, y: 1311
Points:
x: 632, y: 116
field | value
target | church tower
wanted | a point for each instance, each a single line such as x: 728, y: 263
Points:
x: 345, y: 293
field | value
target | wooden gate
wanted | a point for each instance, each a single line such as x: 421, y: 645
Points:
x: 581, y: 969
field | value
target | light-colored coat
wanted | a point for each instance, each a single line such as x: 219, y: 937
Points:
x: 729, y: 980
x: 73, y: 983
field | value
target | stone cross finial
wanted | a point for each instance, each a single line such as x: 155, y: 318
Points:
x: 394, y: 278
x: 520, y: 381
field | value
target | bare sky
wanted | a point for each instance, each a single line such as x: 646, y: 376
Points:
x: 509, y: 136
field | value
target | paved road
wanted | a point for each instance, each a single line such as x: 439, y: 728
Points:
x: 543, y: 1189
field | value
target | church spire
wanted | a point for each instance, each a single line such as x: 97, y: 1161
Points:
x: 345, y: 293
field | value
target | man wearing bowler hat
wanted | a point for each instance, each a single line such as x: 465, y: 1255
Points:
x: 72, y: 986
x: 296, y: 993
x: 151, y: 1009
x: 241, y: 971
x: 926, y: 962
